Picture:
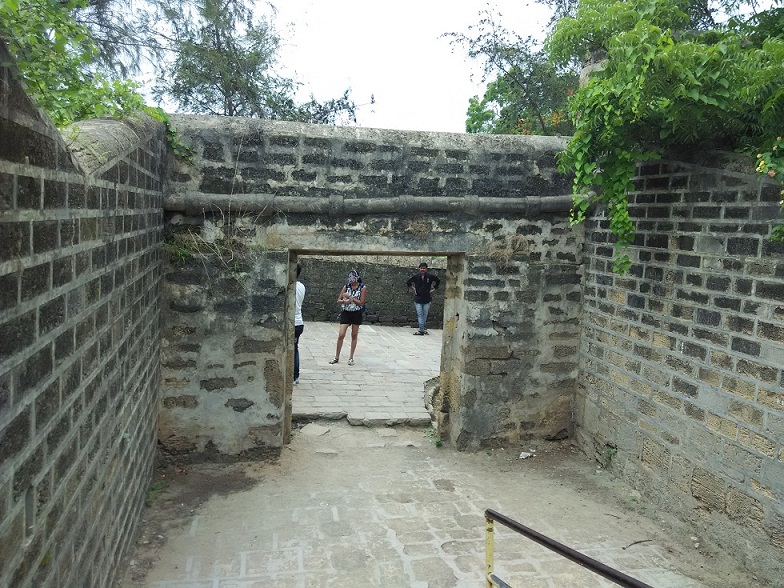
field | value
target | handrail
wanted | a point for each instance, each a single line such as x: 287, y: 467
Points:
x: 589, y: 563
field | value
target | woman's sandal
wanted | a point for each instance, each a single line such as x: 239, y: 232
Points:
x: 350, y: 361
x: 333, y: 361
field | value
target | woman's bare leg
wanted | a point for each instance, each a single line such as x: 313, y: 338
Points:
x: 341, y: 336
x: 354, y: 336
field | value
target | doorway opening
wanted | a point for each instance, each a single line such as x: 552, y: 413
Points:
x: 395, y: 374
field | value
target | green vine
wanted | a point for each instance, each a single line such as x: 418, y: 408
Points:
x: 771, y: 164
x: 179, y: 148
x: 655, y: 87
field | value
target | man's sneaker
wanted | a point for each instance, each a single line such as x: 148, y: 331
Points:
x: 425, y: 332
x: 296, y: 380
x: 419, y: 333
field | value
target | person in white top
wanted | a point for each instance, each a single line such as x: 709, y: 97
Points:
x: 299, y: 324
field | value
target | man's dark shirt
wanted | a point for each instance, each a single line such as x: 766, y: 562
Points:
x: 422, y: 286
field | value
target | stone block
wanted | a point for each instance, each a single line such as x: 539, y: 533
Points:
x: 45, y: 236
x: 239, y: 404
x: 293, y: 141
x: 248, y: 345
x: 51, y: 315
x: 25, y: 473
x: 693, y: 411
x: 664, y: 398
x: 765, y: 374
x: 477, y: 296
x: 708, y: 489
x: 58, y: 433
x: 680, y: 473
x: 746, y: 413
x: 184, y: 401
x: 304, y: 176
x: 770, y: 290
x: 178, y: 363
x: 663, y: 341
x: 757, y: 442
x: 213, y: 384
x: 684, y: 387
x: 722, y: 425
x: 35, y: 280
x: 16, y: 435
x: 47, y: 404
x: 745, y: 346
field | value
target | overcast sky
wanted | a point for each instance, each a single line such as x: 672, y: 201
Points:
x: 391, y: 49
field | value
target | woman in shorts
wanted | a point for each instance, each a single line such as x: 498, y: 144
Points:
x: 352, y: 298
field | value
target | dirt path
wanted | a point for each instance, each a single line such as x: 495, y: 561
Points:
x: 350, y: 506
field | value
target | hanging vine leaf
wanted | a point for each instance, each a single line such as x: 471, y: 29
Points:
x: 661, y: 85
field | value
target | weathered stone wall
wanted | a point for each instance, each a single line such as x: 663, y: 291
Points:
x: 224, y: 358
x: 521, y: 345
x: 493, y: 206
x: 278, y: 169
x: 80, y: 238
x: 681, y: 366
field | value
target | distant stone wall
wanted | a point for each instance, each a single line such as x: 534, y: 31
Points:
x: 680, y: 388
x: 80, y: 242
x: 389, y: 301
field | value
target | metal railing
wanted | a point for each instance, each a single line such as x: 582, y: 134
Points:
x: 589, y: 563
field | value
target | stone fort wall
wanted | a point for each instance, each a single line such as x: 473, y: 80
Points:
x: 80, y: 285
x: 493, y: 208
x: 680, y: 387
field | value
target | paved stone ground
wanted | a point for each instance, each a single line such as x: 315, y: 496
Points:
x: 350, y: 506
x: 385, y: 386
x: 383, y: 506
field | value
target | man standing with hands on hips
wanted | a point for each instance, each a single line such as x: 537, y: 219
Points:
x: 422, y: 284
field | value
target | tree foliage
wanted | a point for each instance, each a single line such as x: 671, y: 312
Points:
x: 123, y: 33
x: 662, y: 82
x: 526, y: 92
x: 212, y: 57
x: 223, y: 61
x: 56, y: 57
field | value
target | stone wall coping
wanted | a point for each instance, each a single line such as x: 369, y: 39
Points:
x: 97, y: 143
x: 336, y: 204
x: 233, y: 125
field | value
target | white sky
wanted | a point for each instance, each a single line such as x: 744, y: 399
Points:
x: 392, y: 50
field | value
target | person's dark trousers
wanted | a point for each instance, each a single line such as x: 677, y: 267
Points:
x: 298, y: 329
